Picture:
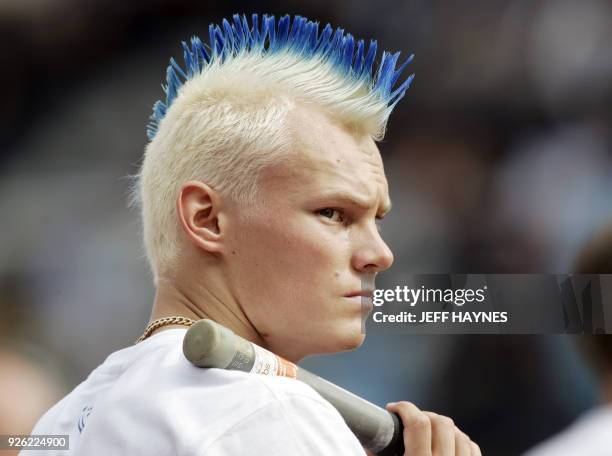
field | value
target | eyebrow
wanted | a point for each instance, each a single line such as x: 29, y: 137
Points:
x: 356, y: 201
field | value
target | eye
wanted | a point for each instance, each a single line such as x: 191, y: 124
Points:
x: 335, y: 215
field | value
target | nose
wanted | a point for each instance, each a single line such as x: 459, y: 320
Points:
x: 372, y: 254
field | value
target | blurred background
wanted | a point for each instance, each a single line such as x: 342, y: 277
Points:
x: 499, y: 160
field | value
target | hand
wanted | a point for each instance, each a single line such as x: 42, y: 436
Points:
x: 430, y: 434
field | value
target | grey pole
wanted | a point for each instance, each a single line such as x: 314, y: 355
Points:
x: 209, y: 344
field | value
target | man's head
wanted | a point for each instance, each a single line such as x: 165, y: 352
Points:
x: 262, y: 169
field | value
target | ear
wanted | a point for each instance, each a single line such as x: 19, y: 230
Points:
x: 198, y: 207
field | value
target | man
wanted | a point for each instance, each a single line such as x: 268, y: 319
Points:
x: 260, y: 192
x: 589, y: 434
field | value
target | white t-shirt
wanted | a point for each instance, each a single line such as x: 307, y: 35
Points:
x: 149, y: 400
x: 590, y: 435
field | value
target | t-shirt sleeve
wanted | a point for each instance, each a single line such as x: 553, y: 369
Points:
x: 294, y: 425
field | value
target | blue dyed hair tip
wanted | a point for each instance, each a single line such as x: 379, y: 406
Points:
x: 300, y: 36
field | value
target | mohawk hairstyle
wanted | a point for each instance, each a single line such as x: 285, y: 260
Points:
x: 226, y: 112
x: 301, y: 39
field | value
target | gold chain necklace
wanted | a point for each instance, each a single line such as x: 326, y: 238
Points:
x: 175, y: 320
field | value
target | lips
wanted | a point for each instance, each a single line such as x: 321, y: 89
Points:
x: 363, y: 293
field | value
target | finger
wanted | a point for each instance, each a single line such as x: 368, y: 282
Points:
x: 417, y: 428
x: 463, y: 444
x: 476, y: 449
x: 442, y: 435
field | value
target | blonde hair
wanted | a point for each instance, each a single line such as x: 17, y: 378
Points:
x: 225, y: 116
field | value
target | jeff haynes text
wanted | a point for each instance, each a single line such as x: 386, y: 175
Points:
x: 441, y: 317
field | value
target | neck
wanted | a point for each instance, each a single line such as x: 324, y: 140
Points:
x: 173, y: 298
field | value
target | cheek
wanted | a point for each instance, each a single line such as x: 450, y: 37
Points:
x: 314, y: 247
x: 293, y: 252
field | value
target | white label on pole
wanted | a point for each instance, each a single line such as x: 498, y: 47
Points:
x: 266, y: 363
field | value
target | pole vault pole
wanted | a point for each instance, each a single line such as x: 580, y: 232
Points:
x: 209, y: 344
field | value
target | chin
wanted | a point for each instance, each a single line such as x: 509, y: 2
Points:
x: 339, y: 336
x: 355, y: 342
x: 352, y: 335
x: 346, y: 342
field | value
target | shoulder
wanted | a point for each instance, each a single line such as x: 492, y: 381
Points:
x: 186, y: 409
x: 589, y: 436
x: 295, y: 420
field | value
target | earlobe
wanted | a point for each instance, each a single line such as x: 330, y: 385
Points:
x: 198, y: 207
